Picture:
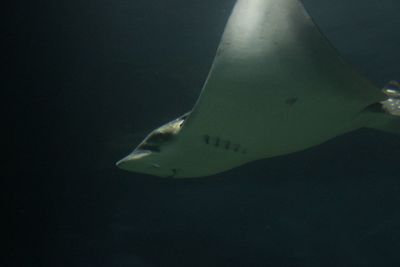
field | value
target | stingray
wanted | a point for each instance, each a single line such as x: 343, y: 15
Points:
x: 276, y: 86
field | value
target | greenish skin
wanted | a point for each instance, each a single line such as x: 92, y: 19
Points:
x: 276, y: 87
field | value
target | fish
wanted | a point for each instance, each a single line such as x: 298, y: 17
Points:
x: 276, y: 86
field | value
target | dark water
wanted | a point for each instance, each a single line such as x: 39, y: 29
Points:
x: 93, y: 77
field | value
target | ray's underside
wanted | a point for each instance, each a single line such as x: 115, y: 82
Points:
x: 276, y: 86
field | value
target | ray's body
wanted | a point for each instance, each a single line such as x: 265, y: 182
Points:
x: 276, y: 87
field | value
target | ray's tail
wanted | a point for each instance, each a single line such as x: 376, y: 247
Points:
x: 388, y: 111
x: 392, y: 104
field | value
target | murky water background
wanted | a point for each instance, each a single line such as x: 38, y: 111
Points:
x: 93, y: 77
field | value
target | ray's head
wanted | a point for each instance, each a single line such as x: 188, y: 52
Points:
x: 177, y: 150
x: 155, y: 155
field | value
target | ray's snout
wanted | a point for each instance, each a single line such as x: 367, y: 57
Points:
x: 129, y: 162
x: 122, y: 163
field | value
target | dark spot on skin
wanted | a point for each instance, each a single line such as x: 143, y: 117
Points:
x: 150, y: 147
x: 291, y: 101
x: 236, y: 149
x: 227, y: 144
x: 158, y: 138
x: 207, y: 139
x: 217, y: 142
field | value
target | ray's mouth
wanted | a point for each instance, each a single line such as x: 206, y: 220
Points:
x: 174, y: 172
